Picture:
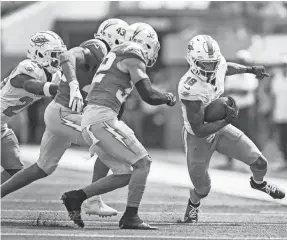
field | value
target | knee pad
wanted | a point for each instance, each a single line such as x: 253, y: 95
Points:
x: 12, y: 171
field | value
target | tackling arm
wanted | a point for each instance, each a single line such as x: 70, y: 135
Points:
x: 34, y: 86
x: 69, y: 61
x: 137, y: 71
x: 195, y: 116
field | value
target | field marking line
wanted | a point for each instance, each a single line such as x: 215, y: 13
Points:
x: 264, y: 213
x: 133, y: 236
x: 107, y: 202
x: 203, y: 223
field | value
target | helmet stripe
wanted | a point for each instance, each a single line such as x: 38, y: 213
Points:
x: 49, y: 34
x: 210, y: 48
x: 108, y: 25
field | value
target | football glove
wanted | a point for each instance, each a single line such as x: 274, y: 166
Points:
x: 259, y: 72
x: 171, y: 99
x: 231, y: 111
x: 76, y: 99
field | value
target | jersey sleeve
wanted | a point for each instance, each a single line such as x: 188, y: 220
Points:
x: 189, y: 90
x: 97, y: 48
x: 29, y: 68
x: 134, y: 51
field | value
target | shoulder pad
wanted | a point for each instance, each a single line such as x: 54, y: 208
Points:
x: 30, y: 68
x: 96, y: 46
x: 134, y: 50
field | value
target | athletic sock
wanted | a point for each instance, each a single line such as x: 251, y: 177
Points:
x: 258, y: 184
x: 131, y: 211
x: 82, y: 195
x: 196, y: 205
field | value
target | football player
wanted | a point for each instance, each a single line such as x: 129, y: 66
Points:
x: 203, y: 83
x: 28, y: 82
x: 63, y: 115
x: 115, y: 143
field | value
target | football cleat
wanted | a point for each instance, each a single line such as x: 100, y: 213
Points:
x: 191, y: 213
x: 268, y: 188
x: 96, y: 206
x: 73, y: 206
x: 134, y: 222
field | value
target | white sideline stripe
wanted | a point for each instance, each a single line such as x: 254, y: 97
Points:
x: 107, y: 202
x: 205, y: 223
x: 131, y: 236
x: 263, y: 213
x: 225, y: 182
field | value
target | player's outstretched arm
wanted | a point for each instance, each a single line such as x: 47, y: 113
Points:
x: 137, y: 71
x: 34, y: 86
x: 69, y: 62
x: 195, y: 116
x: 234, y: 68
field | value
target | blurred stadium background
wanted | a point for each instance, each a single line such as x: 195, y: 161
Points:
x: 259, y: 27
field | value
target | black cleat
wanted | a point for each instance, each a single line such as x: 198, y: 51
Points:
x: 268, y: 188
x: 134, y: 223
x: 73, y: 206
x: 191, y: 213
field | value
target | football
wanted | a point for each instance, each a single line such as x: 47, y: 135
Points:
x: 216, y: 110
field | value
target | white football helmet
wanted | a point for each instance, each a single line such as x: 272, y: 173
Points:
x: 203, y: 56
x: 146, y: 36
x: 112, y: 31
x: 45, y: 48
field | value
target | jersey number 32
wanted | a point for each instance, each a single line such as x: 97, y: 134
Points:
x: 105, y: 66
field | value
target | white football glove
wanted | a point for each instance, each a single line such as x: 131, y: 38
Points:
x: 76, y: 99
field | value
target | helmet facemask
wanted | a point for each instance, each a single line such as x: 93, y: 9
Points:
x: 50, y: 59
x: 204, y: 68
x: 152, y: 53
x: 45, y: 49
x: 207, y: 69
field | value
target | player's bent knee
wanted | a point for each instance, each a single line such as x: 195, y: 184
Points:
x: 47, y: 169
x: 260, y: 164
x: 203, y: 191
x: 143, y: 163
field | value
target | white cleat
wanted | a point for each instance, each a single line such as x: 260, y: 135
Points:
x: 96, y: 206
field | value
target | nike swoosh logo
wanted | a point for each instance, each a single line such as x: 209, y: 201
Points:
x: 187, y: 88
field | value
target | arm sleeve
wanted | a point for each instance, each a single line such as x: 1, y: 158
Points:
x: 149, y: 94
x: 69, y: 60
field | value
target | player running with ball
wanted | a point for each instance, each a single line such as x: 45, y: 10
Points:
x: 203, y: 83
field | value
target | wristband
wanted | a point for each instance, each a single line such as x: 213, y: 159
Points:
x: 46, y: 89
x: 249, y: 70
x: 74, y: 83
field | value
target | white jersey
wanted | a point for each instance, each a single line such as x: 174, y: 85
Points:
x: 192, y: 88
x: 15, y: 100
